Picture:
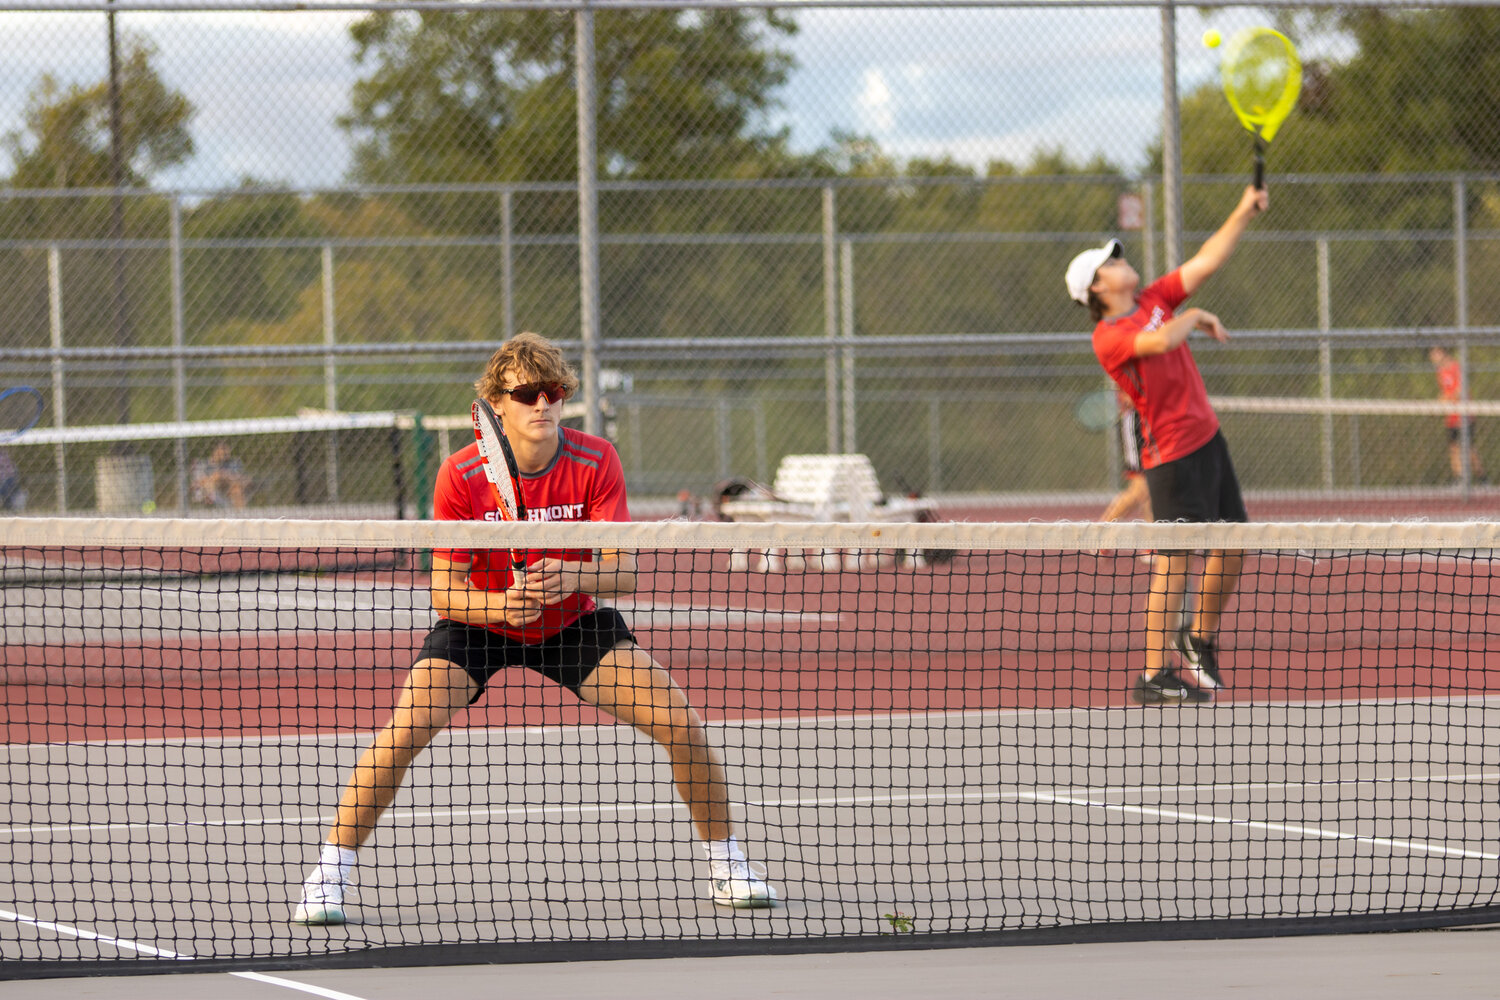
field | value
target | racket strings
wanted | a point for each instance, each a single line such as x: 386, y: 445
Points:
x: 19, y: 409
x: 1262, y: 78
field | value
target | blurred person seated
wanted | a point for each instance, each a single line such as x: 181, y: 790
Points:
x: 12, y: 496
x: 220, y: 479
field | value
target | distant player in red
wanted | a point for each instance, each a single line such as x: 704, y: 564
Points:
x: 1450, y: 377
x: 1141, y: 342
x: 549, y: 620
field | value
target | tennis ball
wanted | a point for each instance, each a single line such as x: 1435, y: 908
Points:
x: 1211, y: 38
x: 149, y: 507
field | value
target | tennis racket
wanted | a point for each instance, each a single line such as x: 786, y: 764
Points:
x: 501, y: 470
x: 1262, y: 78
x: 1097, y: 411
x: 20, y: 409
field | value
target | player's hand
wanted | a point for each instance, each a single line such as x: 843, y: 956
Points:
x: 550, y: 580
x: 520, y: 607
x: 1254, y: 201
x: 1209, y: 324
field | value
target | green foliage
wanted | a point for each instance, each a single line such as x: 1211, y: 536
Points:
x: 900, y: 923
x: 1417, y: 95
x: 937, y: 246
x: 489, y: 95
x: 66, y: 138
x: 237, y: 283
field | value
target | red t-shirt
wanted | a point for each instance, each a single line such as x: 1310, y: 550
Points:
x: 1450, y: 386
x: 584, y: 482
x: 1165, y: 389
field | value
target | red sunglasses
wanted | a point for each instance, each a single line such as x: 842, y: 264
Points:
x: 528, y: 394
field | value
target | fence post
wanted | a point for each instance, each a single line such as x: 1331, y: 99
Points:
x: 1171, y: 149
x: 588, y: 221
x: 59, y: 391
x: 831, y: 313
x: 1460, y: 253
x: 179, y: 361
x: 724, y: 437
x: 934, y: 444
x: 507, y: 261
x: 762, y: 472
x: 846, y: 304
x: 1148, y: 211
x: 1325, y: 358
x: 330, y: 372
x: 1465, y: 428
x: 1461, y: 320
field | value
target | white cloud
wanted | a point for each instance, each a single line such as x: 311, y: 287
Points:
x: 971, y: 83
x: 267, y: 88
x: 981, y: 83
x: 876, y: 113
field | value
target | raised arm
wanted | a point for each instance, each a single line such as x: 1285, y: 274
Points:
x: 1170, y: 335
x: 1217, y: 248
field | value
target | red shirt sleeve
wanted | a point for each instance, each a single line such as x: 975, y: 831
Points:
x: 451, y: 502
x: 608, y: 501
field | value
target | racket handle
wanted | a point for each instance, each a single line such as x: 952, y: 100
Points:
x: 1260, y: 168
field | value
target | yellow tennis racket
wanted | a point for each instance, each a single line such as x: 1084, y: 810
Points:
x: 1262, y: 78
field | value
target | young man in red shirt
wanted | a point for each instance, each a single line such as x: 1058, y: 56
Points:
x: 548, y: 620
x: 1450, y: 377
x: 1142, y: 343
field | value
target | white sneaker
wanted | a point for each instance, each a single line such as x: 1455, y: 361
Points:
x: 741, y: 885
x: 322, y: 901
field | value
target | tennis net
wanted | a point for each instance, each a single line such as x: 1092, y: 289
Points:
x: 927, y: 733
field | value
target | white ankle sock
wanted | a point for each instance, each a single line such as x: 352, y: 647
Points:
x: 334, y: 864
x: 725, y: 850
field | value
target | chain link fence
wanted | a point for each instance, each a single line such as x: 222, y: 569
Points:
x: 821, y: 228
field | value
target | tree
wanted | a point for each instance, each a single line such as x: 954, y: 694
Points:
x: 490, y: 95
x: 65, y: 141
x: 255, y: 285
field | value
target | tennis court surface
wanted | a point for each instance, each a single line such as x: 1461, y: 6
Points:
x: 926, y: 727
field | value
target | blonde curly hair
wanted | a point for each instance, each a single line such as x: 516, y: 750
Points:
x: 529, y: 356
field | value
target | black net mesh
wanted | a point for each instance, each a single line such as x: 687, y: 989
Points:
x: 922, y: 731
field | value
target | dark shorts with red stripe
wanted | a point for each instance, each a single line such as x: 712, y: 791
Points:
x: 1199, y: 487
x: 1455, y: 434
x: 567, y: 658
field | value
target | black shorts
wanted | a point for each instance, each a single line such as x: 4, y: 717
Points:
x: 1455, y: 434
x: 568, y: 658
x: 1200, y: 487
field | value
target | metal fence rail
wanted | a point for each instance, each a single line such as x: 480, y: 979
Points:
x: 860, y: 250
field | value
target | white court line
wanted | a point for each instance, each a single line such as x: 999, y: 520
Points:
x: 145, y: 949
x: 1313, y: 832
x: 870, y: 719
x: 1063, y: 796
x: 480, y: 812
x: 316, y: 991
x: 79, y: 932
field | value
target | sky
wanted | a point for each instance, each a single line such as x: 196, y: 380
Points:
x: 970, y: 83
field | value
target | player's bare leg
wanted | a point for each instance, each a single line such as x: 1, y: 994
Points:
x: 1221, y: 575
x: 435, y: 691
x: 1160, y: 683
x: 1164, y: 606
x: 633, y: 688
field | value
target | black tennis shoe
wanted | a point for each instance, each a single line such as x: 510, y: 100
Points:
x: 1166, y: 688
x: 1200, y: 659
